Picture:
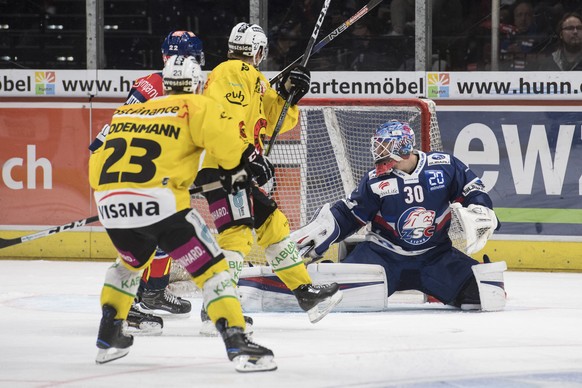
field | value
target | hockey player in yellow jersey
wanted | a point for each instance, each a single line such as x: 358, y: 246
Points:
x: 255, y: 105
x: 141, y: 178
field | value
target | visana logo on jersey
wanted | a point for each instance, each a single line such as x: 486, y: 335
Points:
x: 385, y: 187
x: 416, y: 225
x: 129, y: 209
x: 435, y: 159
x: 135, y: 208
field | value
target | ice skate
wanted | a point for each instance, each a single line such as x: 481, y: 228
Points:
x: 208, y: 329
x: 111, y: 340
x: 318, y: 300
x: 139, y: 323
x: 164, y: 302
x: 246, y: 355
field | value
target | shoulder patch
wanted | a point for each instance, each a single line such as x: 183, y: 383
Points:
x: 385, y: 187
x: 437, y: 158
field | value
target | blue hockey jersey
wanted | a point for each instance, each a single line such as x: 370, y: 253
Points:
x: 409, y: 213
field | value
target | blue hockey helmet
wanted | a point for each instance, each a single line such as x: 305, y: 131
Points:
x: 183, y: 43
x: 392, y: 142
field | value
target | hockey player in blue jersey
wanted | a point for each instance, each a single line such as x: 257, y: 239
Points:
x: 407, y: 202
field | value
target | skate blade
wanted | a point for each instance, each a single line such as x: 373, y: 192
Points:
x: 145, y: 329
x: 111, y: 354
x: 248, y: 364
x: 318, y: 312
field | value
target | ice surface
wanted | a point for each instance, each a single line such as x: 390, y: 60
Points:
x: 49, y: 316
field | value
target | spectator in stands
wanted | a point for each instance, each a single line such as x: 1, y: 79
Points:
x: 367, y: 51
x: 401, y: 14
x: 284, y: 47
x: 521, y: 45
x: 568, y: 55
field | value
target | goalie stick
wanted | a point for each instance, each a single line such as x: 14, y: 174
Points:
x: 4, y: 243
x: 304, y: 60
x: 332, y: 35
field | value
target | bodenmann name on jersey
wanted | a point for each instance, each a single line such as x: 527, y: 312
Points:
x: 129, y: 210
x: 159, y: 129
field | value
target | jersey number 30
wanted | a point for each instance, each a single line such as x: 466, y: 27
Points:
x: 146, y: 161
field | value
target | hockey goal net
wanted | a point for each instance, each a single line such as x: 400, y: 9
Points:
x: 325, y: 156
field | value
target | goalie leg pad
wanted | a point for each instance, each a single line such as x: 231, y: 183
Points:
x: 120, y: 288
x: 491, y: 286
x: 364, y: 288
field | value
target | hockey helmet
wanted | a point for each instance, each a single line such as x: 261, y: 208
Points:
x: 183, y: 43
x: 392, y: 142
x: 248, y: 40
x: 182, y: 74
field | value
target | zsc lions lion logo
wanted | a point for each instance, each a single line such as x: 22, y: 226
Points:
x: 416, y: 225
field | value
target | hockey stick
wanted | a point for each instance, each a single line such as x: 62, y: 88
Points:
x: 304, y: 60
x: 332, y: 35
x: 4, y: 243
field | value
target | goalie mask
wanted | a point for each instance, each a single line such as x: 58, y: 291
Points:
x: 392, y: 142
x: 248, y: 40
x: 182, y: 75
x: 183, y: 43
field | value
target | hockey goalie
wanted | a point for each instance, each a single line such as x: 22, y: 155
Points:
x: 413, y: 205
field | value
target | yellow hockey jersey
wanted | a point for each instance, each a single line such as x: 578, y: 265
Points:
x: 247, y: 95
x: 152, y: 153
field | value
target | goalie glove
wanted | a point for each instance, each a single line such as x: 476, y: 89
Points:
x: 259, y: 166
x: 298, y: 80
x: 314, y: 239
x: 471, y: 227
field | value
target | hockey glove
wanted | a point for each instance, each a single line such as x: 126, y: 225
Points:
x: 235, y: 179
x: 314, y: 239
x: 471, y: 226
x: 298, y: 80
x: 259, y: 166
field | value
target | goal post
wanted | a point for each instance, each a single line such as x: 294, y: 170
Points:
x: 324, y: 157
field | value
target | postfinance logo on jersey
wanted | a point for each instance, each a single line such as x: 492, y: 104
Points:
x: 385, y: 187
